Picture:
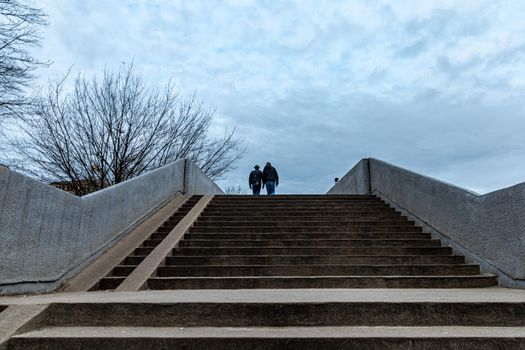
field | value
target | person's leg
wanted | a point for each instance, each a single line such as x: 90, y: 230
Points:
x: 270, y: 188
x: 256, y: 190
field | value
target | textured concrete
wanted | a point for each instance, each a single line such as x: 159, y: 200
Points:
x: 480, y: 295
x: 137, y: 279
x: 491, y: 318
x: 47, y: 234
x: 14, y: 318
x: 281, y: 314
x: 278, y: 332
x: 90, y: 276
x: 260, y: 341
x: 357, y: 180
x: 490, y: 227
x: 303, y: 338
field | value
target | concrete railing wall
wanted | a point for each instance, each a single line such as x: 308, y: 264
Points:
x: 488, y: 229
x: 46, y: 234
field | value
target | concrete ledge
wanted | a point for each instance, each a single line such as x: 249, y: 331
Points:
x: 309, y: 295
x: 487, y: 229
x: 89, y: 277
x: 137, y: 279
x: 47, y: 235
x: 15, y: 318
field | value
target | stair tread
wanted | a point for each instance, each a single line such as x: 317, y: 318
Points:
x: 306, y: 256
x: 316, y: 240
x: 479, y: 276
x: 495, y: 295
x: 276, y: 332
x: 317, y: 265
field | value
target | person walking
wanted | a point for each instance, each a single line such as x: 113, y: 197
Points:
x: 270, y: 178
x: 254, y: 180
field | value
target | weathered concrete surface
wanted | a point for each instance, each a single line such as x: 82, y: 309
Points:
x: 46, y: 233
x: 256, y: 338
x: 488, y: 318
x: 490, y: 226
x: 357, y: 180
x: 137, y: 279
x: 14, y: 318
x: 278, y: 332
x: 311, y: 295
x: 102, y: 266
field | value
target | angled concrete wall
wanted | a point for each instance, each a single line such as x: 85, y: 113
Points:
x: 46, y: 233
x: 490, y: 228
x: 356, y: 181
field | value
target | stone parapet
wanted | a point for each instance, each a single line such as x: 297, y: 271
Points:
x: 47, y: 235
x: 488, y: 229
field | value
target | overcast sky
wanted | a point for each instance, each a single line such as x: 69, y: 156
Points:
x: 437, y: 87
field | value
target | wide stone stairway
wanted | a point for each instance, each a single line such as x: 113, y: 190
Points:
x: 282, y: 272
x: 310, y: 242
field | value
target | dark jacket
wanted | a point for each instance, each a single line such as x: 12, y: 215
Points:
x: 255, y: 178
x: 270, y: 174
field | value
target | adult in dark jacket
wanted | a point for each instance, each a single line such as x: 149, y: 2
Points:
x: 255, y: 180
x: 270, y: 178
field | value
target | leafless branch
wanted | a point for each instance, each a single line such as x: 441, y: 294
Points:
x: 108, y: 130
x: 19, y: 24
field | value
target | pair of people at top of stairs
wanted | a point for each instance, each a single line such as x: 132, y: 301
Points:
x: 267, y: 178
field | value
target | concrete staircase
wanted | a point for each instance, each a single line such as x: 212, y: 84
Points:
x: 311, y: 242
x: 288, y: 272
x: 409, y: 319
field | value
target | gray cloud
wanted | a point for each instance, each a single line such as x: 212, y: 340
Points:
x: 314, y: 86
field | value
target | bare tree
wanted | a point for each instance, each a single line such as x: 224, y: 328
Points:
x: 105, y: 131
x: 19, y: 24
x: 233, y: 190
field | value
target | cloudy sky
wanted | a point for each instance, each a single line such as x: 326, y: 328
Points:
x: 437, y: 87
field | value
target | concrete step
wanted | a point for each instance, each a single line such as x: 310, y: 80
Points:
x: 490, y: 307
x: 309, y: 270
x: 151, y: 243
x: 133, y: 260
x: 296, y: 202
x: 304, y: 229
x: 484, y: 318
x: 458, y: 281
x: 259, y: 211
x: 303, y: 236
x: 187, y: 251
x: 319, y: 208
x: 306, y: 243
x: 123, y: 270
x: 323, y: 218
x: 159, y: 235
x: 308, y: 224
x: 268, y: 199
x: 315, y: 260
x: 311, y: 197
x: 305, y: 226
x: 258, y: 338
x: 166, y: 229
x: 277, y: 207
x: 110, y: 282
x: 175, y: 220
